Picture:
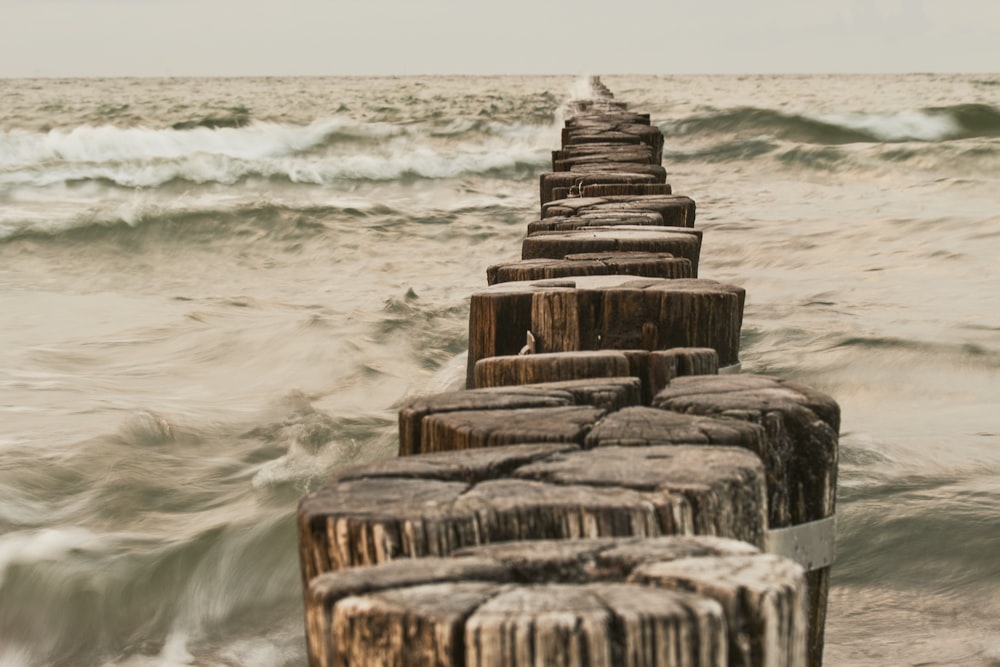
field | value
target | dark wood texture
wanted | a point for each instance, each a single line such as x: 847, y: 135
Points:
x: 800, y: 451
x: 413, y: 412
x: 645, y: 264
x: 596, y: 219
x: 605, y: 312
x: 535, y: 368
x: 605, y: 602
x: 573, y: 181
x: 411, y: 507
x: 677, y: 241
x: 676, y: 210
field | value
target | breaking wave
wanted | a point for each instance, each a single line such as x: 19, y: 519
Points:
x: 931, y: 124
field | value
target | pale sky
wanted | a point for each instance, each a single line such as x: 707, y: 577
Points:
x: 387, y: 37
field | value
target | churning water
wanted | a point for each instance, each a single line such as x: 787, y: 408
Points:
x: 213, y: 291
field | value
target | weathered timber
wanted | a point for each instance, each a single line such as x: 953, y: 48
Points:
x: 584, y: 602
x: 611, y: 115
x: 425, y: 506
x: 766, y: 592
x: 607, y: 394
x: 801, y: 454
x: 601, y: 154
x: 644, y: 426
x: 605, y: 312
x: 617, y: 132
x: 413, y: 412
x: 620, y: 167
x: 646, y: 264
x: 599, y: 218
x: 802, y: 425
x: 612, y: 190
x: 534, y: 368
x: 641, y: 152
x: 573, y: 181
x: 470, y: 429
x: 653, y: 370
x: 677, y: 241
x: 676, y: 210
x: 600, y: 106
x: 657, y: 368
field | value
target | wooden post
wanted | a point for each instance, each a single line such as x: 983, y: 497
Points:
x: 605, y: 312
x: 646, y: 264
x: 676, y: 210
x: 433, y: 504
x: 799, y: 451
x: 652, y: 369
x: 677, y: 241
x: 587, y: 602
x: 580, y: 459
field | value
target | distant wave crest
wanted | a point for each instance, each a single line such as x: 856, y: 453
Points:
x: 319, y: 153
x: 931, y: 124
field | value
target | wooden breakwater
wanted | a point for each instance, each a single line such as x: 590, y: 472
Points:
x: 609, y: 489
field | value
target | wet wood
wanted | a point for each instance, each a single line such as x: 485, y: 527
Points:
x: 765, y: 592
x: 645, y: 313
x: 651, y: 265
x: 620, y: 167
x: 609, y: 190
x: 601, y: 154
x: 411, y: 508
x: 470, y: 429
x: 652, y: 371
x: 657, y: 368
x: 535, y: 368
x: 605, y: 312
x: 607, y: 394
x: 677, y: 241
x: 610, y: 218
x: 572, y: 181
x: 606, y: 130
x: 800, y: 452
x: 584, y: 602
x: 646, y: 426
x: 567, y: 464
x: 676, y: 210
x: 413, y: 412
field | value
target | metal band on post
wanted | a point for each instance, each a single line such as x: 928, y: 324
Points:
x: 811, y: 545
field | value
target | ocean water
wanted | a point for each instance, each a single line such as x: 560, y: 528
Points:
x: 214, y: 291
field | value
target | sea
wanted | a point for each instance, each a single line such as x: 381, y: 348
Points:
x: 213, y: 292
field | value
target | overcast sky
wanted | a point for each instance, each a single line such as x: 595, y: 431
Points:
x: 364, y: 37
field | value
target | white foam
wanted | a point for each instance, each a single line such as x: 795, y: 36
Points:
x: 88, y: 144
x: 16, y: 656
x: 142, y: 158
x: 908, y: 125
x: 48, y: 544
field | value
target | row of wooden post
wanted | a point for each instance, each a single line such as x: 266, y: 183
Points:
x: 607, y: 488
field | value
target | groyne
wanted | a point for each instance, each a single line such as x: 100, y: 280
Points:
x: 609, y: 489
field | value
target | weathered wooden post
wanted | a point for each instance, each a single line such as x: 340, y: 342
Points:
x: 605, y: 312
x: 602, y: 317
x: 657, y: 602
x: 433, y: 504
x: 645, y: 264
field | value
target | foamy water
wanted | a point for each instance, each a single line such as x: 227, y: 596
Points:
x: 213, y: 292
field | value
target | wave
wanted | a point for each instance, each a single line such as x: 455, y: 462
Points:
x: 321, y: 153
x: 930, y: 124
x: 278, y: 220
